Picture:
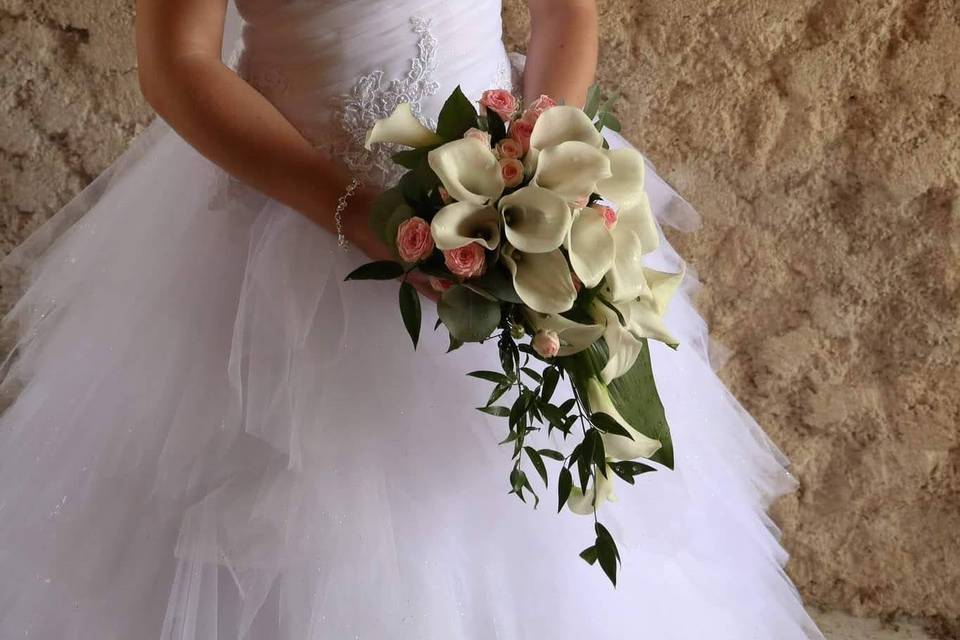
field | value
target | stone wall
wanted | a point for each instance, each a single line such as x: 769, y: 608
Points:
x: 820, y: 139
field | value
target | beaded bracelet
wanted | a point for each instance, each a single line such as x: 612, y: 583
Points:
x: 338, y: 214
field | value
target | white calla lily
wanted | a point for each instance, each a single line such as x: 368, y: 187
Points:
x: 600, y: 491
x: 402, y: 127
x: 468, y: 170
x: 634, y: 235
x: 663, y: 286
x: 615, y: 446
x: 572, y: 169
x: 641, y: 320
x: 536, y: 220
x: 541, y: 280
x: 561, y: 124
x: 591, y: 246
x: 624, y: 185
x: 574, y: 336
x: 460, y: 223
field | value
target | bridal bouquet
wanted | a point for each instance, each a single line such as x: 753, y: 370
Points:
x: 534, y: 231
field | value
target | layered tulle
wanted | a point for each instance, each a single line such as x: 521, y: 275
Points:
x: 212, y: 436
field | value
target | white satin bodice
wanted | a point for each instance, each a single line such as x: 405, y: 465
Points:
x: 333, y: 67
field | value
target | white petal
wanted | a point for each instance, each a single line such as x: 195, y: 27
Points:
x: 460, y: 223
x: 542, y: 280
x: 582, y: 503
x: 623, y: 346
x: 591, y: 247
x: 468, y: 170
x: 625, y: 184
x: 536, y: 220
x: 563, y: 123
x: 639, y: 217
x: 626, y: 278
x: 402, y: 127
x: 618, y: 447
x: 663, y: 286
x: 571, y: 169
x: 644, y: 321
x: 574, y: 336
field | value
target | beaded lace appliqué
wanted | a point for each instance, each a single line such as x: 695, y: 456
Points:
x: 372, y: 98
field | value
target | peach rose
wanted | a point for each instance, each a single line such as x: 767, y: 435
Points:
x: 546, y: 343
x: 537, y: 107
x: 509, y: 148
x: 521, y: 130
x: 476, y: 134
x: 439, y: 284
x: 500, y: 101
x: 609, y: 215
x: 414, y: 242
x: 512, y: 171
x: 467, y: 262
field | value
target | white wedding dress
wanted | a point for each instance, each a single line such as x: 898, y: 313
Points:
x: 211, y: 436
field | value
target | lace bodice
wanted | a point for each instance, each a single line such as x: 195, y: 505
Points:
x: 335, y: 67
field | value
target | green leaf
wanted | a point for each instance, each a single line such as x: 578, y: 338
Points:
x: 509, y: 354
x: 538, y: 464
x: 536, y: 377
x: 607, y: 552
x: 551, y: 375
x: 379, y: 270
x: 496, y: 127
x: 609, y: 102
x: 496, y: 411
x: 608, y: 425
x: 553, y: 455
x: 564, y: 486
x: 490, y: 376
x: 497, y: 393
x: 454, y: 343
x: 411, y: 158
x: 456, y: 116
x: 468, y: 316
x: 609, y: 121
x: 400, y: 215
x: 589, y: 555
x: 593, y: 101
x: 628, y: 470
x: 428, y: 267
x: 497, y: 283
x: 604, y: 539
x: 410, y: 311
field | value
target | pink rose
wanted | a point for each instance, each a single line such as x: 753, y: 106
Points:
x: 537, y: 107
x: 521, y: 130
x: 476, y: 134
x: 546, y: 343
x: 439, y: 284
x: 609, y: 215
x: 414, y: 242
x: 512, y: 171
x: 500, y: 101
x: 467, y: 262
x: 509, y: 148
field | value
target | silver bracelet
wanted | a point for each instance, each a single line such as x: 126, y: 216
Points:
x: 341, y: 207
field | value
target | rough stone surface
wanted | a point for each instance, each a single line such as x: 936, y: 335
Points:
x: 820, y: 140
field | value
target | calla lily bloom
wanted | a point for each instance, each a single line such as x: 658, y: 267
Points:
x: 572, y: 169
x: 615, y: 446
x: 590, y: 246
x: 574, y: 336
x: 542, y: 280
x: 460, y: 223
x: 536, y: 220
x: 402, y: 127
x: 468, y: 170
x: 600, y: 491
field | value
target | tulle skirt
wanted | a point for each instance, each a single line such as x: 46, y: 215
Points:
x: 210, y: 435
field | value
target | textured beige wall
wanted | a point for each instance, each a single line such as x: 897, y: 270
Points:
x: 821, y: 142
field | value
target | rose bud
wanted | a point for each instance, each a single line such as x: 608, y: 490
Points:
x: 509, y: 148
x: 546, y: 343
x: 512, y: 171
x: 500, y: 101
x: 467, y: 262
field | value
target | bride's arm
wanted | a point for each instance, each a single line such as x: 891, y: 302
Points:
x: 562, y: 56
x: 227, y: 120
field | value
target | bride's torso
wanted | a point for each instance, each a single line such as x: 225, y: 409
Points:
x: 332, y: 67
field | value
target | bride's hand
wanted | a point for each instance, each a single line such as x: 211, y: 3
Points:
x: 360, y: 236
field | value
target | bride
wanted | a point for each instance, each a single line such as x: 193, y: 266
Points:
x: 212, y: 436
